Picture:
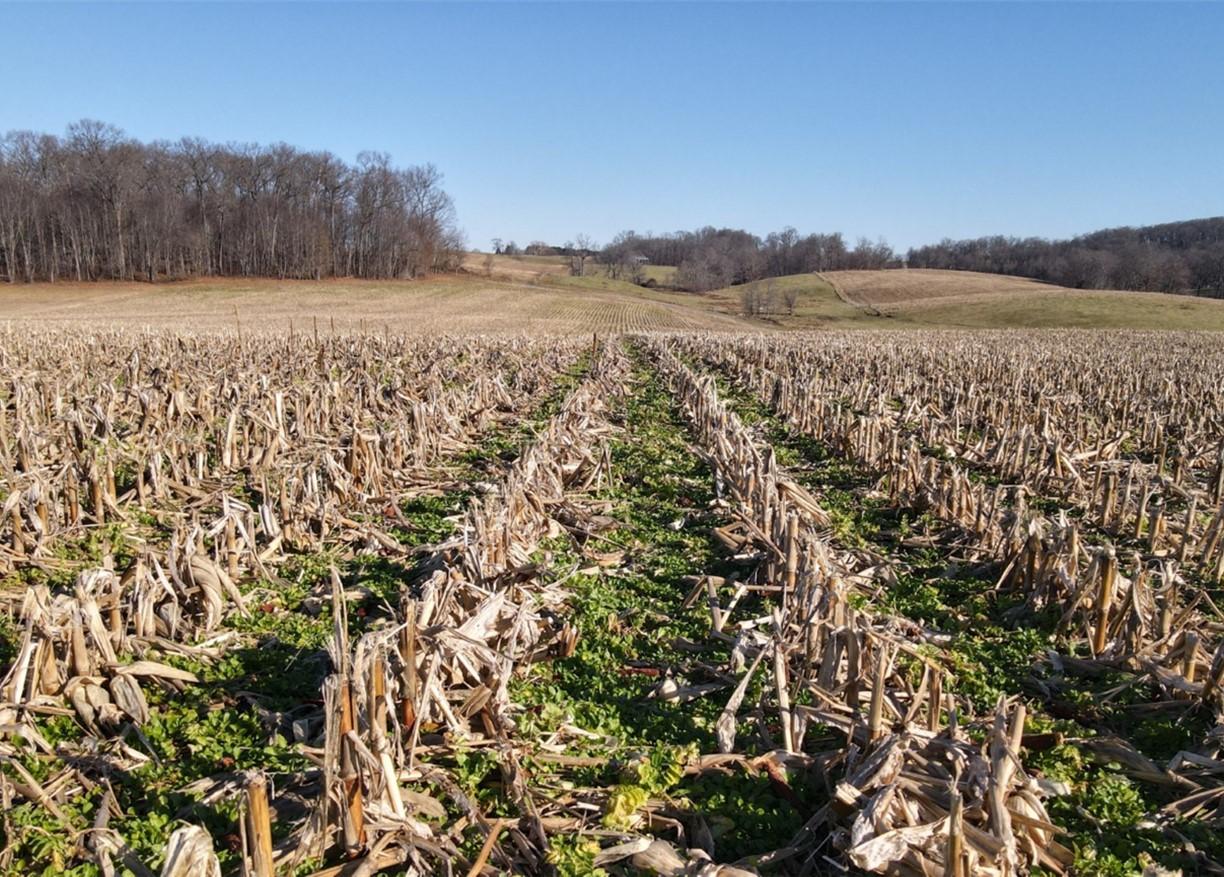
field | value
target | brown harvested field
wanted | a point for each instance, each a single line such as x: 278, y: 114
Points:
x: 968, y: 299
x: 919, y: 286
x: 462, y: 304
x: 559, y: 304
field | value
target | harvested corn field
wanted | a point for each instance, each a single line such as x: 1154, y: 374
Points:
x: 819, y: 603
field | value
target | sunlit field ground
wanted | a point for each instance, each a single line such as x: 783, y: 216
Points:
x: 537, y: 294
x: 446, y: 304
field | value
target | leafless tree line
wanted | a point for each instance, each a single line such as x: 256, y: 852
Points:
x: 1173, y: 257
x: 97, y: 204
x: 712, y: 258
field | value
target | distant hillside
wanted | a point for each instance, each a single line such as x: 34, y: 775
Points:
x: 917, y: 287
x: 972, y: 299
x: 541, y: 301
x: 1172, y: 257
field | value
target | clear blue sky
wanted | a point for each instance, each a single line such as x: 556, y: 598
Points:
x: 913, y: 121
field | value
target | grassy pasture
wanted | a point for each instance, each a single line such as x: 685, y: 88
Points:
x: 817, y: 304
x: 929, y: 298
x: 1073, y: 308
x: 919, y: 286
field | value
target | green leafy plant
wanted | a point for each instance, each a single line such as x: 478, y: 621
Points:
x: 650, y: 776
x: 574, y: 856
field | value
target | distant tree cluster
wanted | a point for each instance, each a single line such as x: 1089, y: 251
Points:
x: 508, y: 248
x: 712, y: 258
x: 1173, y: 257
x: 579, y: 251
x: 766, y: 298
x: 96, y: 204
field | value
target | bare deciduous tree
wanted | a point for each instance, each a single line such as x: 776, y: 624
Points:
x: 580, y: 250
x: 750, y: 300
x: 790, y: 295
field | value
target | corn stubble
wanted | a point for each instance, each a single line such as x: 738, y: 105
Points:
x: 1086, y: 470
